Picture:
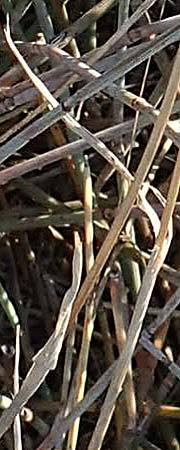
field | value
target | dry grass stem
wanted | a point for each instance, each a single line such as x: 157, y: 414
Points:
x: 158, y: 255
x: 46, y: 359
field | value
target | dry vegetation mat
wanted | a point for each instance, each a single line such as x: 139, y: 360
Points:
x: 89, y: 224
